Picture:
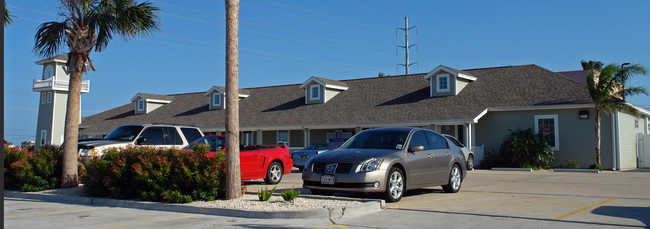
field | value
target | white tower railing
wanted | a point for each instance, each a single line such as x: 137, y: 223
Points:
x: 51, y: 84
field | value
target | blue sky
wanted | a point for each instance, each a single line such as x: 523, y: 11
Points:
x: 286, y: 42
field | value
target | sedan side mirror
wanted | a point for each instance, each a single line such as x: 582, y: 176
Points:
x: 416, y: 148
x: 140, y: 141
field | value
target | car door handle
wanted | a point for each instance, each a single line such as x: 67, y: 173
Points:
x: 448, y: 154
x: 430, y: 156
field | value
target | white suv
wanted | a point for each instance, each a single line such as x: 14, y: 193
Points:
x: 158, y: 135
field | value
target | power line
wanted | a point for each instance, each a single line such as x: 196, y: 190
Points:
x: 327, y: 16
x: 372, y: 9
x: 309, y: 19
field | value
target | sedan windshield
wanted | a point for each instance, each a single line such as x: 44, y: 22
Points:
x: 124, y: 133
x: 216, y: 143
x: 317, y: 147
x: 377, y: 140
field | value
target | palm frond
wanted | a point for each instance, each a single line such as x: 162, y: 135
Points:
x: 591, y: 65
x: 7, y: 16
x: 49, y: 38
x: 137, y: 19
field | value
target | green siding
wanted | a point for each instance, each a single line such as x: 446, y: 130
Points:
x: 575, y: 135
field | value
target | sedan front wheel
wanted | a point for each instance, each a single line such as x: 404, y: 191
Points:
x: 395, y: 185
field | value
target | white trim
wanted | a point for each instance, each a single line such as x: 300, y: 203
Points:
x: 448, y: 70
x: 441, y: 76
x: 556, y: 128
x: 48, y: 60
x: 308, y: 82
x: 311, y: 92
x: 149, y: 100
x: 640, y: 109
x: 157, y: 101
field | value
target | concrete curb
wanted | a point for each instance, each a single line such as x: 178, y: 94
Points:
x: 513, y: 169
x: 368, y: 206
x: 577, y: 170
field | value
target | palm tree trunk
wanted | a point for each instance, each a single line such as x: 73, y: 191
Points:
x: 233, y: 176
x: 69, y: 176
x: 598, y: 137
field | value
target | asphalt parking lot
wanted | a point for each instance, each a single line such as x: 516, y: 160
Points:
x: 488, y: 199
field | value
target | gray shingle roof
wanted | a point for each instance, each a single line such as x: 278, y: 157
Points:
x: 157, y: 97
x: 370, y: 100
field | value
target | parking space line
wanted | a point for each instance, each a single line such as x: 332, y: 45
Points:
x: 513, y: 206
x: 333, y: 225
x: 428, y: 201
x: 539, y: 198
x: 55, y: 212
x: 150, y: 221
x: 584, y: 208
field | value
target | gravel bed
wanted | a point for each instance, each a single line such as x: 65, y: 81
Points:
x: 246, y: 202
x: 276, y: 203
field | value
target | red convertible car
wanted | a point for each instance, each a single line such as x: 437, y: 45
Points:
x: 256, y: 161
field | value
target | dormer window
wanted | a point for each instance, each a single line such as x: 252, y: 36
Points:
x: 216, y: 100
x: 140, y: 104
x: 443, y: 83
x: 315, y: 92
x: 446, y: 81
x: 320, y: 90
x: 145, y: 103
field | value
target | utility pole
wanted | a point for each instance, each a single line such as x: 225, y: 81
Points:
x: 406, y: 43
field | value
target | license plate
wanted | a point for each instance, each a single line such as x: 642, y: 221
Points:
x: 303, y: 156
x: 327, y: 179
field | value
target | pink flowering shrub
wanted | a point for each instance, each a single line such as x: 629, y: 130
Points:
x: 156, y: 174
x: 34, y: 171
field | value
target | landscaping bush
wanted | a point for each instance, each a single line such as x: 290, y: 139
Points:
x: 528, y: 150
x: 595, y: 165
x: 156, y: 174
x: 33, y: 171
x: 495, y: 159
x: 572, y: 164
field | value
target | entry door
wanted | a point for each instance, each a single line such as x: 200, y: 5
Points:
x: 644, y: 150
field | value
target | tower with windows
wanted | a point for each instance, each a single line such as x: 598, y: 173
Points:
x: 53, y: 89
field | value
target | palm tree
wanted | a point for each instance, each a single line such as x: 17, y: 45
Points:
x: 608, y: 88
x: 233, y: 176
x: 88, y: 24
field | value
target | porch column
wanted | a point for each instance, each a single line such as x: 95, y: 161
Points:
x: 259, y: 137
x: 306, y: 133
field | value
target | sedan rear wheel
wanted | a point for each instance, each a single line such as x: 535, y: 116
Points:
x: 455, y: 179
x: 274, y: 173
x: 395, y: 185
x: 470, y: 162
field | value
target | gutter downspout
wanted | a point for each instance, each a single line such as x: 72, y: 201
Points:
x: 614, y: 140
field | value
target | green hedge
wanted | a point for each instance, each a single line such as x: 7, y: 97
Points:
x: 33, y: 171
x: 156, y: 174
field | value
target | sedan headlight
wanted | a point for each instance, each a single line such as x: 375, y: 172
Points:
x: 370, y: 165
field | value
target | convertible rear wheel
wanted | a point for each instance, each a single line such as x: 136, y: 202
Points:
x: 274, y: 173
x: 455, y: 179
x: 395, y: 185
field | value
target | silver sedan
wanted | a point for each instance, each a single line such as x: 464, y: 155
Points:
x: 388, y: 161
